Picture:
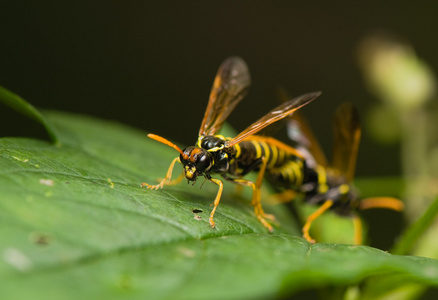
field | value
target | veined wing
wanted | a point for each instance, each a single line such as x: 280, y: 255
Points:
x: 347, y: 133
x: 301, y: 134
x: 273, y: 116
x: 230, y: 86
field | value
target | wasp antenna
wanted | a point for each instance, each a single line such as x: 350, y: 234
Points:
x: 166, y: 142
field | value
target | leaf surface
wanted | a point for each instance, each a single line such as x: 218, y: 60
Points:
x: 75, y: 223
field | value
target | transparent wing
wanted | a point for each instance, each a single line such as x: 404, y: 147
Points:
x: 273, y: 116
x: 299, y: 131
x: 301, y: 134
x: 230, y: 86
x: 346, y: 140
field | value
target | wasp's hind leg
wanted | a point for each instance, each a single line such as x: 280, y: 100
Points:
x: 256, y: 202
x: 256, y: 196
x: 357, y: 223
x: 306, y: 228
x: 167, y: 180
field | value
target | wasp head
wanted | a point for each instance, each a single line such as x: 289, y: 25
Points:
x: 196, y: 161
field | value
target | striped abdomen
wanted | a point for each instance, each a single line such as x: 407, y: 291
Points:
x: 285, y: 165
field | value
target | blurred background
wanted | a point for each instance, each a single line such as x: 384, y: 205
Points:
x: 151, y: 65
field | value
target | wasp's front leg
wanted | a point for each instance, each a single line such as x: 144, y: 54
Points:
x: 168, y: 177
x: 216, y: 200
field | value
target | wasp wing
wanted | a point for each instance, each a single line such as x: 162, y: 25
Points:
x: 299, y: 131
x: 347, y: 133
x: 273, y: 116
x: 230, y: 86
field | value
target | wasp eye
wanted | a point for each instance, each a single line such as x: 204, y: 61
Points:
x: 197, y: 159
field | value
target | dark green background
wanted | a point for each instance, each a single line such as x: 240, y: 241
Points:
x: 152, y: 65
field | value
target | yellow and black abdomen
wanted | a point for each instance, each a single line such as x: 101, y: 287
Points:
x: 284, y: 164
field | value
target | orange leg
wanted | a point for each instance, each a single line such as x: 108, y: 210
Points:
x: 381, y: 202
x: 306, y: 228
x: 177, y: 180
x: 257, y: 202
x: 216, y: 200
x: 167, y: 178
x: 357, y: 224
x: 374, y: 202
x: 256, y: 198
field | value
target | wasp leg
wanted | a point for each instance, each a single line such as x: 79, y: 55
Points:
x: 256, y: 198
x: 257, y: 202
x: 374, y: 202
x: 167, y: 178
x: 177, y: 180
x: 306, y: 228
x: 216, y: 200
x: 381, y: 202
x: 357, y: 225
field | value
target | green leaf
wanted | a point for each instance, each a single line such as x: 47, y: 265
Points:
x: 416, y: 230
x: 22, y: 106
x: 75, y: 223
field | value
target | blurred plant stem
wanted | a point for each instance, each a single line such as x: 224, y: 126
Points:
x: 414, y: 153
x: 406, y: 86
x: 414, y: 231
x: 419, y: 190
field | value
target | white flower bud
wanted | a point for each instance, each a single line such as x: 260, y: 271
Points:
x: 395, y: 74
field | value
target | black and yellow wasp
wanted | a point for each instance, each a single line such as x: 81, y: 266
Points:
x: 233, y: 158
x: 330, y: 185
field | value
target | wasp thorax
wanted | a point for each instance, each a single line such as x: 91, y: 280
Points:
x: 196, y: 161
x: 211, y: 142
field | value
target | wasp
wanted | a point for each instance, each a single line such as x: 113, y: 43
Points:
x: 330, y: 185
x: 233, y: 158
